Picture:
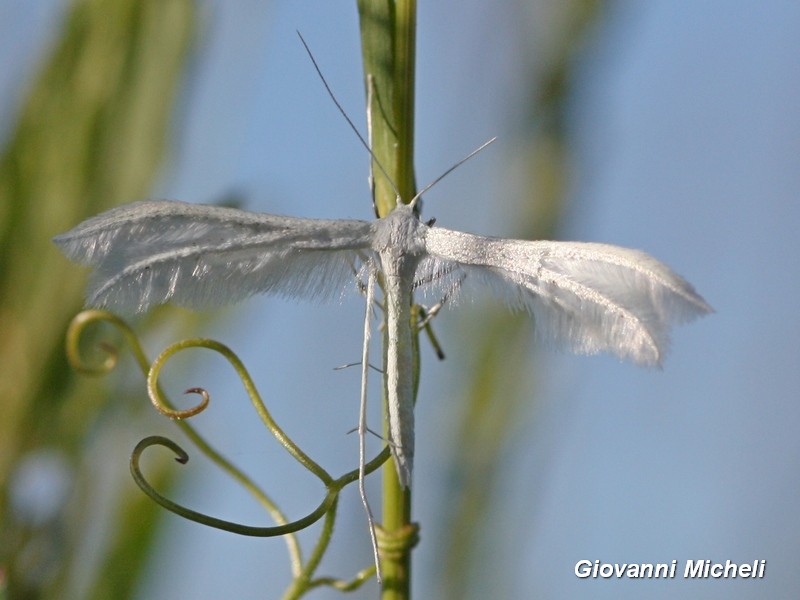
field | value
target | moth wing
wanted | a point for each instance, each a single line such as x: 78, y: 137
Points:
x: 588, y: 297
x: 152, y: 252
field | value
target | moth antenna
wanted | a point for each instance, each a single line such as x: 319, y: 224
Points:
x: 347, y: 118
x: 451, y: 169
x: 370, y: 92
x: 366, y: 144
x: 369, y: 143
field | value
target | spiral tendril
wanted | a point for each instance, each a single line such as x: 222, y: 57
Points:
x: 77, y: 329
x: 302, y: 570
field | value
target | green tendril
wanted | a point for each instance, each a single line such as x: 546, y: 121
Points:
x: 77, y: 329
x: 302, y: 571
x: 342, y: 585
x: 158, y: 398
x: 394, y: 544
x: 183, y: 457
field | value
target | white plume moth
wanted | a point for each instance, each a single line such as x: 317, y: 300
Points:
x: 586, y: 297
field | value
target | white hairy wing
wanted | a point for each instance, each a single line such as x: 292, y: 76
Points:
x: 588, y: 297
x: 153, y: 252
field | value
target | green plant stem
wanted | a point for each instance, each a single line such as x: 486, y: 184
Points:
x: 388, y: 38
x: 388, y: 34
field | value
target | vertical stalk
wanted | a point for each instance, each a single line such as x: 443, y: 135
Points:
x: 388, y: 38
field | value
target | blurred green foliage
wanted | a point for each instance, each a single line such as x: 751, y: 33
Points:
x: 90, y: 134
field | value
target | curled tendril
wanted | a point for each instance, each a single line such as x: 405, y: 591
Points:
x: 393, y: 545
x: 183, y: 457
x: 76, y: 331
x: 333, y: 489
x: 302, y: 570
x: 157, y: 396
x: 162, y: 404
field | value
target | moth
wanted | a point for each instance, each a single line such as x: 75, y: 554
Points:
x: 586, y: 297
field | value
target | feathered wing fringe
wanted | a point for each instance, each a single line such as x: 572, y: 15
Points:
x: 150, y: 253
x: 586, y: 297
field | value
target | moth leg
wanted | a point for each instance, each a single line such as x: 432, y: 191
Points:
x: 358, y: 364
x: 438, y: 275
x: 426, y: 315
x: 423, y: 318
x: 386, y: 441
x: 362, y: 418
x: 429, y: 313
x: 359, y: 277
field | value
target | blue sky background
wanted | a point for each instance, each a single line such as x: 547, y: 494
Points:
x: 687, y: 132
